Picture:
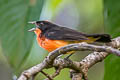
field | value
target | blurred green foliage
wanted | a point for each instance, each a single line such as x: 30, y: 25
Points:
x: 91, y: 15
x: 15, y: 40
x: 112, y: 22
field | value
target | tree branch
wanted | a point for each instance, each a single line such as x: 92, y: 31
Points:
x: 82, y: 67
x: 49, y: 77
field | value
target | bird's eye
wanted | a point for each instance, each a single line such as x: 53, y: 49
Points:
x: 41, y: 24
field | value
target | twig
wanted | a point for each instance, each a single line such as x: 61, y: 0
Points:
x: 50, y: 78
x: 55, y: 74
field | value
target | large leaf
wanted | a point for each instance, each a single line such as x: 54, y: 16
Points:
x: 15, y: 39
x: 112, y: 21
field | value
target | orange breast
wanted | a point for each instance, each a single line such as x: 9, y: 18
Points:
x: 50, y: 45
x: 47, y: 44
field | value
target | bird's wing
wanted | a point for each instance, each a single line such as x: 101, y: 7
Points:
x: 63, y: 33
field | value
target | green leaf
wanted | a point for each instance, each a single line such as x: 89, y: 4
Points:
x: 15, y: 39
x: 112, y: 22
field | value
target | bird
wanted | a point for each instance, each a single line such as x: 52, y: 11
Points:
x: 51, y: 36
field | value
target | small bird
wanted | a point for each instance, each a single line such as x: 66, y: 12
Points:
x: 51, y: 36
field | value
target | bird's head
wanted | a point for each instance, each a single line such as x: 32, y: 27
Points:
x: 40, y: 26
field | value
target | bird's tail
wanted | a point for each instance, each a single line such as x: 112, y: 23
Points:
x: 100, y: 37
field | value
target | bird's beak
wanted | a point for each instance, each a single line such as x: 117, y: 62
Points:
x: 31, y: 30
x: 32, y: 22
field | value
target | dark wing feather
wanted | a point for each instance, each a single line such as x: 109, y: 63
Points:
x: 63, y: 33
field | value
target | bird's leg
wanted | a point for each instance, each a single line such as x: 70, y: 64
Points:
x: 68, y: 56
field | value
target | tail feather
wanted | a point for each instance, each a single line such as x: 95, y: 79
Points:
x: 101, y: 37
